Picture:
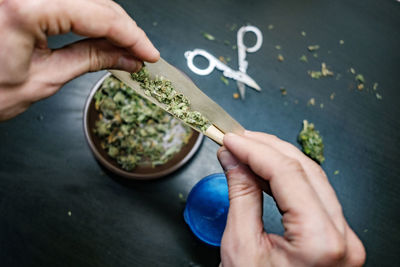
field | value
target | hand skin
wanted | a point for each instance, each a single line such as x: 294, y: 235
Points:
x: 30, y: 71
x: 316, y: 232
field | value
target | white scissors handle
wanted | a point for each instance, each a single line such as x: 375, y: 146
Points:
x: 242, y: 48
x: 213, y: 62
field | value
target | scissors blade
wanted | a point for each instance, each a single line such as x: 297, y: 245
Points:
x: 246, y: 79
x: 242, y: 89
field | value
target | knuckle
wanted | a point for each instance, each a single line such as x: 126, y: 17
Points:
x: 334, y: 251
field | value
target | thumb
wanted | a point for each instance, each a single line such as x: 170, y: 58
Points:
x: 245, y: 198
x: 86, y: 56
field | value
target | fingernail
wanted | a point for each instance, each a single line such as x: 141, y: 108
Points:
x: 227, y: 160
x: 127, y: 63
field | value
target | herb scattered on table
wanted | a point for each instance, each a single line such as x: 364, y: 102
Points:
x: 234, y: 47
x: 332, y: 96
x: 224, y: 80
x: 360, y: 79
x: 278, y: 47
x: 280, y: 58
x: 375, y: 87
x: 270, y: 27
x: 303, y: 33
x: 321, y: 105
x: 283, y: 91
x: 378, y: 96
x: 311, y: 102
x: 341, y: 42
x: 208, y: 36
x: 315, y: 55
x: 336, y: 172
x: 303, y: 58
x: 312, y: 48
x: 235, y: 95
x: 177, y: 104
x: 353, y: 71
x: 323, y: 73
x: 133, y: 130
x: 311, y: 142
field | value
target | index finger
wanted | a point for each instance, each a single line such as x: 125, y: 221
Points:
x: 100, y: 18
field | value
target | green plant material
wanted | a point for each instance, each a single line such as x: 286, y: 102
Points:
x: 303, y: 33
x: 155, y: 23
x: 270, y: 27
x: 336, y: 172
x: 341, y: 42
x: 315, y: 55
x: 234, y: 47
x: 321, y: 105
x: 303, y: 58
x: 315, y: 74
x: 228, y: 59
x: 338, y: 76
x: 311, y: 142
x: 280, y: 58
x: 353, y: 71
x: 323, y: 73
x: 311, y: 102
x: 278, y: 47
x: 332, y: 96
x: 283, y: 91
x: 227, y: 43
x: 224, y: 80
x: 312, y: 48
x: 233, y: 27
x: 360, y: 78
x: 177, y: 104
x: 378, y: 96
x: 375, y: 87
x: 132, y: 130
x: 208, y: 36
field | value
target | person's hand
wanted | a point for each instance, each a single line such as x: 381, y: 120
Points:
x: 316, y: 232
x: 30, y: 71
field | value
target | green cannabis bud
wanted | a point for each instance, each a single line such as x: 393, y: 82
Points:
x: 177, y: 104
x: 132, y: 130
x: 311, y: 141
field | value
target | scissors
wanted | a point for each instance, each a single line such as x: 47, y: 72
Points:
x: 240, y: 76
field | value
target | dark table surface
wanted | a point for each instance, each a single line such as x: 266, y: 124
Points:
x: 47, y: 169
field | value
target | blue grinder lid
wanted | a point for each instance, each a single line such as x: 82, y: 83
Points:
x: 207, y: 207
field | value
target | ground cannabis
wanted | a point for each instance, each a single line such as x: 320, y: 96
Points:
x: 311, y: 141
x: 177, y: 104
x: 133, y: 130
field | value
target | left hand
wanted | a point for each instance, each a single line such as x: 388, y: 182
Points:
x: 30, y: 71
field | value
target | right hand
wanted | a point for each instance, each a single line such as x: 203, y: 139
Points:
x: 316, y: 232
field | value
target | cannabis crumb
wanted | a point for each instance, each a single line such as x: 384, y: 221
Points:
x: 222, y: 59
x: 270, y: 27
x: 208, y: 36
x: 332, y: 96
x: 155, y: 23
x: 341, y: 42
x: 283, y: 91
x: 312, y: 48
x: 234, y: 47
x: 378, y: 96
x: 375, y: 87
x: 311, y: 102
x: 323, y: 73
x: 224, y: 80
x: 315, y: 55
x: 69, y: 213
x: 280, y: 58
x: 235, y: 95
x: 353, y: 71
x: 321, y: 105
x: 303, y: 33
x: 336, y: 172
x: 278, y: 47
x: 303, y: 58
x: 311, y: 142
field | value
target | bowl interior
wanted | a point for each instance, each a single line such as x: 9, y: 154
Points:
x: 140, y: 171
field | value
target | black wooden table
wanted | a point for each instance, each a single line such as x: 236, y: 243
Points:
x: 58, y: 207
